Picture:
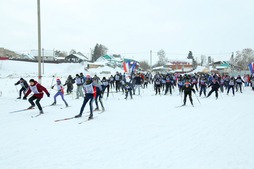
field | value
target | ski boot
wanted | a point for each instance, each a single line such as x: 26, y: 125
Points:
x: 31, y: 107
x: 66, y: 105
x: 41, y: 112
x: 96, y: 109
x: 78, y: 116
x: 54, y: 103
x: 90, y: 117
x: 19, y: 97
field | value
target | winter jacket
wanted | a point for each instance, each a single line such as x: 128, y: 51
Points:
x: 214, y: 85
x: 37, y: 89
x: 23, y: 84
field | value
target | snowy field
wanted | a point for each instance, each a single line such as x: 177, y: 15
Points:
x: 148, y: 132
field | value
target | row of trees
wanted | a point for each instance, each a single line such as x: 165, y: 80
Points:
x: 162, y: 60
x: 240, y: 59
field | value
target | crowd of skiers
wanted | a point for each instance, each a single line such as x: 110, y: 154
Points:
x: 93, y: 88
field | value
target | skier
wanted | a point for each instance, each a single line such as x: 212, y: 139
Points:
x: 128, y: 89
x: 252, y: 83
x: 215, y: 86
x: 24, y: 87
x: 112, y: 81
x: 187, y: 89
x: 79, y: 82
x: 38, y: 90
x: 231, y: 84
x: 163, y: 83
x: 202, y: 86
x: 239, y: 82
x: 105, y: 85
x: 60, y: 91
x: 138, y: 81
x: 69, y: 82
x: 99, y: 96
x: 157, y: 86
x: 168, y: 85
x: 180, y: 84
x: 145, y: 82
x: 90, y: 93
x: 194, y: 82
x: 117, y: 80
x: 221, y: 80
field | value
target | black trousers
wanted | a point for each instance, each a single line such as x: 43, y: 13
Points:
x: 104, y: 88
x: 213, y: 90
x: 126, y: 93
x: 117, y: 85
x: 233, y: 89
x: 185, y: 97
x: 31, y: 100
x: 157, y: 89
x: 170, y: 88
x: 22, y: 90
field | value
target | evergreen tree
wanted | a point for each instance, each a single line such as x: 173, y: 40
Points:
x: 99, y: 50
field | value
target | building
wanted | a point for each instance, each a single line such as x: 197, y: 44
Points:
x: 179, y: 65
x: 76, y: 58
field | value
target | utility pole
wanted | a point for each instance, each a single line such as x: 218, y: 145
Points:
x: 39, y: 40
x: 151, y: 55
x: 43, y: 59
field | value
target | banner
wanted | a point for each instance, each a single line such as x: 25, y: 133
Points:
x: 251, y: 67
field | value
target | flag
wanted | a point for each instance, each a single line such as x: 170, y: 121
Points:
x: 133, y: 67
x: 126, y: 67
x: 251, y: 67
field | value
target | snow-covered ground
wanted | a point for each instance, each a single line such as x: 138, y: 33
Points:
x: 148, y: 132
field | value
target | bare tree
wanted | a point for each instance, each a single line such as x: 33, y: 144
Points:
x: 162, y: 58
x: 144, y: 65
x: 244, y: 57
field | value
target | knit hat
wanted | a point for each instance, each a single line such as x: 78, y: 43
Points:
x: 31, y: 80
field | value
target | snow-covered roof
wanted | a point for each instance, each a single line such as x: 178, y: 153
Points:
x: 80, y: 56
x: 97, y: 63
x: 222, y: 67
x: 161, y: 68
x: 180, y: 60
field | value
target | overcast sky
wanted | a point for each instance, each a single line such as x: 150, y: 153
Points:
x: 131, y: 27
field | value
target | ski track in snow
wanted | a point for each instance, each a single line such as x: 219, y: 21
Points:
x: 147, y: 132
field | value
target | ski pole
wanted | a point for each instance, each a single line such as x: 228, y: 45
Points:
x: 181, y: 93
x: 197, y: 98
x: 221, y: 95
x: 52, y: 83
x: 17, y: 89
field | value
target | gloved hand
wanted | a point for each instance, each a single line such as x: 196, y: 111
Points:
x: 52, y: 87
x: 24, y: 98
x: 48, y: 95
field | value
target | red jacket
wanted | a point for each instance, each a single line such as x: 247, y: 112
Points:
x: 37, y: 89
